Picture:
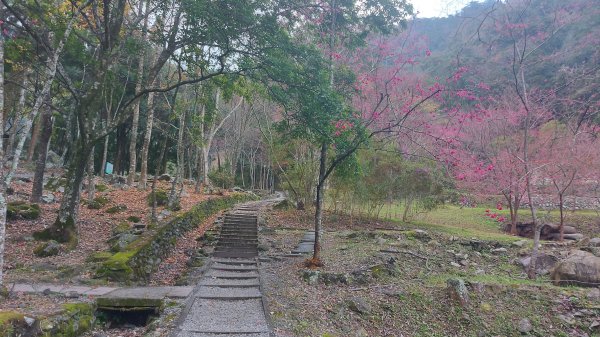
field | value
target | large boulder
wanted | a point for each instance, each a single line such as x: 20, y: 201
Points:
x: 579, y: 268
x: 46, y: 249
x: 543, y: 263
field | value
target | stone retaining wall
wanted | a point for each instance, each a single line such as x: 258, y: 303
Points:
x: 143, y: 256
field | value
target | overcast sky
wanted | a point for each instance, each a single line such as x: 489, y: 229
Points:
x: 438, y: 8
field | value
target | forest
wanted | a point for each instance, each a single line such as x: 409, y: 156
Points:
x: 130, y: 127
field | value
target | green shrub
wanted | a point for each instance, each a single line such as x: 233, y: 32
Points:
x: 161, y: 198
x: 222, y: 178
x: 101, y: 188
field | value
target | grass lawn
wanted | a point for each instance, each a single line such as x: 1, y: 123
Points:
x: 471, y: 222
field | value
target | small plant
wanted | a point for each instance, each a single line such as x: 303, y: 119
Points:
x: 116, y: 209
x: 101, y: 188
x: 98, y: 202
x: 161, y: 198
x: 134, y: 219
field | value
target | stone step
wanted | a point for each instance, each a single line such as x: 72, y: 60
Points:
x: 238, y: 244
x: 245, y: 236
x: 235, y: 261
x: 220, y: 266
x: 233, y: 254
x: 228, y: 293
x: 226, y: 274
x: 220, y: 317
x: 230, y: 283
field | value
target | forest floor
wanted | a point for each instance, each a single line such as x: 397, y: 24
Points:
x: 403, y: 291
x: 95, y: 228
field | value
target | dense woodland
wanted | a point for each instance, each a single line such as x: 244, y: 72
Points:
x: 357, y: 103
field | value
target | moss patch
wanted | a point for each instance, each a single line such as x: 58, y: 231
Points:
x: 63, y: 232
x: 116, y: 209
x: 161, y: 198
x: 22, y: 210
x: 98, y: 202
x: 9, y: 322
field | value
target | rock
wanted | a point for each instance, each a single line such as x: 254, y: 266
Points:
x: 593, y: 294
x: 525, y: 326
x: 311, y: 276
x: 139, y: 226
x: 334, y: 278
x: 595, y: 242
x: 122, y: 241
x: 165, y: 177
x: 543, y: 265
x: 48, y: 198
x: 461, y: 256
x: 454, y: 264
x: 60, y: 189
x: 359, y: 305
x: 99, y: 334
x: 575, y: 236
x: 567, y: 319
x: 580, y: 268
x: 479, y: 272
x: 421, y: 235
x: 463, y: 263
x: 500, y: 250
x: 593, y: 250
x: 53, y: 159
x: 595, y: 325
x: 72, y: 294
x: 30, y: 321
x: 458, y: 291
x: 520, y: 243
x: 49, y: 248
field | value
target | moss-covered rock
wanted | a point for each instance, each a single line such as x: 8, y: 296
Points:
x: 54, y: 183
x: 161, y: 198
x: 116, y: 209
x: 74, y: 320
x: 63, y: 232
x: 99, y: 256
x: 11, y: 322
x: 122, y: 227
x: 22, y: 210
x: 45, y: 249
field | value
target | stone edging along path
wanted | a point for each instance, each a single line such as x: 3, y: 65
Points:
x: 228, y: 300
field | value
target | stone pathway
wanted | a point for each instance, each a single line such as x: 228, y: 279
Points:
x: 306, y: 245
x: 227, y: 301
x: 76, y: 291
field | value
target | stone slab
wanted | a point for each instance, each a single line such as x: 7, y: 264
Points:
x: 99, y: 291
x: 77, y: 289
x: 220, y: 282
x: 223, y: 317
x: 231, y: 274
x: 234, y: 261
x: 228, y: 293
x: 232, y: 267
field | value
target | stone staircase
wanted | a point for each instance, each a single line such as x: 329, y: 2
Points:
x: 227, y: 301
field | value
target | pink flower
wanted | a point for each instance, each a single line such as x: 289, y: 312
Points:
x: 428, y: 52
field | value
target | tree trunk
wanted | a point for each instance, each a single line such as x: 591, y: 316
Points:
x: 136, y: 106
x: 91, y: 187
x: 173, y: 199
x: 42, y: 152
x: 3, y: 185
x: 163, y: 149
x: 64, y: 228
x: 319, y: 203
x: 18, y: 114
x: 104, y: 156
x: 562, y: 217
x: 146, y: 143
